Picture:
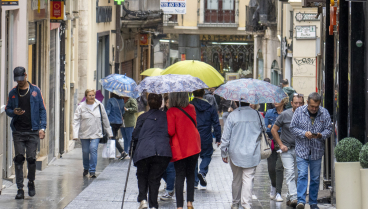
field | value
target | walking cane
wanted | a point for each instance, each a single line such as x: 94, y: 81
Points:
x: 126, y: 181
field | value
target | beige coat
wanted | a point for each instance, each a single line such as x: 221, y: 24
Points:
x: 87, y: 123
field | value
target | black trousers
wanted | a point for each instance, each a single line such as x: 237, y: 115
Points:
x: 276, y: 170
x: 185, y: 168
x: 25, y: 143
x: 149, y: 174
x: 115, y: 129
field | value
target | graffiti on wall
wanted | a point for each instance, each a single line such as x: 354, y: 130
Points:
x: 304, y: 66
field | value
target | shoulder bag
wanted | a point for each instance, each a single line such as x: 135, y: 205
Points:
x: 105, y: 137
x: 181, y: 109
x: 266, y: 150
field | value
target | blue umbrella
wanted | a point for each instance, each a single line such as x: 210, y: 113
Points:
x: 120, y: 85
x: 252, y: 91
x: 171, y: 83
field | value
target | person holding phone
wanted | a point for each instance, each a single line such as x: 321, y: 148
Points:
x: 311, y: 125
x: 27, y: 109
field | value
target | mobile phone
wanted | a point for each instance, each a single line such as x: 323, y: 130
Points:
x: 18, y: 109
x: 315, y: 134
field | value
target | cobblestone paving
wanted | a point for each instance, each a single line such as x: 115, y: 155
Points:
x: 107, y: 190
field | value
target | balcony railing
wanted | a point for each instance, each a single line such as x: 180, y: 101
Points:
x: 170, y: 20
x: 218, y: 13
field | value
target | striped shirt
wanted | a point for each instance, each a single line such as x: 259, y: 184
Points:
x: 301, y: 123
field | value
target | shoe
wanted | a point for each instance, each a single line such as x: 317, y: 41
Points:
x: 292, y: 203
x: 204, y: 187
x: 143, y: 205
x: 85, y: 172
x: 190, y: 207
x: 273, y: 193
x: 195, y: 186
x: 278, y: 198
x: 20, y: 194
x: 254, y: 197
x: 202, y: 179
x: 31, y: 189
x: 92, y: 175
x: 235, y: 206
x: 314, y: 206
x: 123, y: 156
x: 153, y: 208
x: 300, y: 206
x: 167, y: 196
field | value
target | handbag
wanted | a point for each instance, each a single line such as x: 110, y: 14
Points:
x: 105, y: 137
x: 190, y: 117
x: 266, y: 150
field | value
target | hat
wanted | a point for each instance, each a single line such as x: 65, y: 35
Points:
x: 19, y: 73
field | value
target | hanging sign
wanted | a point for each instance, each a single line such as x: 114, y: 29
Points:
x: 306, y: 32
x: 143, y: 41
x: 173, y: 6
x: 56, y: 11
x: 9, y: 2
x: 307, y: 17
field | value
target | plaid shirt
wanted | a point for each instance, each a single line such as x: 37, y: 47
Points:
x: 301, y: 123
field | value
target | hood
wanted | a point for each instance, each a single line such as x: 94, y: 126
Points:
x: 288, y: 90
x: 200, y: 105
x: 206, y: 91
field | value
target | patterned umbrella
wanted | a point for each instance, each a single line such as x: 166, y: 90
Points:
x: 120, y: 85
x: 252, y: 91
x: 171, y: 83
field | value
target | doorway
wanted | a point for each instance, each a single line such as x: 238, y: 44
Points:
x: 103, y: 65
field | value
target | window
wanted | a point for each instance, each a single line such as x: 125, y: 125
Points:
x: 275, y: 73
x: 227, y: 4
x: 212, y: 4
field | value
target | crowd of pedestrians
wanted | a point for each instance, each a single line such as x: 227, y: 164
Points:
x: 167, y: 141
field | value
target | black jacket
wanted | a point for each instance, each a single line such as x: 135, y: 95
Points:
x: 151, y: 136
x: 207, y: 118
x: 225, y: 104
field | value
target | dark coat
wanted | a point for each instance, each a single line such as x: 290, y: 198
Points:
x: 207, y: 118
x: 151, y: 136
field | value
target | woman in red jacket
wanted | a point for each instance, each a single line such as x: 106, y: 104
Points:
x: 185, y: 144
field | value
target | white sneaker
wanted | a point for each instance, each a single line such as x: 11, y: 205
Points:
x: 278, y: 198
x: 273, y: 193
x: 254, y: 197
x: 204, y: 187
x: 235, y: 206
x: 143, y: 205
x: 167, y: 196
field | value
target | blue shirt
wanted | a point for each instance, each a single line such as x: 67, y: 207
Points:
x: 270, y: 119
x: 115, y: 110
x: 301, y: 123
x: 241, y: 137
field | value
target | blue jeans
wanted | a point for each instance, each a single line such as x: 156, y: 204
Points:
x: 315, y: 171
x: 169, y: 177
x: 206, y: 156
x: 127, y: 136
x: 89, y: 150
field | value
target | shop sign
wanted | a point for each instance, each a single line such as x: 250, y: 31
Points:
x: 143, y: 41
x: 307, y: 17
x: 183, y: 57
x: 306, y: 32
x: 56, y: 11
x: 225, y: 38
x: 10, y: 2
x: 173, y: 6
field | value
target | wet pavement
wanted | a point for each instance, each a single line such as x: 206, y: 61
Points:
x: 56, y: 186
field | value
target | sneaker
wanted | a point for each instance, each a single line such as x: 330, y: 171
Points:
x: 202, y: 179
x: 143, y: 205
x: 254, y: 197
x: 31, y: 189
x: 92, y: 175
x: 85, y: 172
x: 314, y: 206
x: 204, y: 187
x: 300, y: 206
x: 195, y: 186
x: 273, y: 193
x: 167, y: 196
x: 123, y: 156
x: 292, y: 203
x: 235, y: 206
x: 278, y: 198
x: 20, y: 194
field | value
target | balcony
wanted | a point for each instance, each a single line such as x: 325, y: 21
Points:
x: 142, y: 14
x: 218, y: 13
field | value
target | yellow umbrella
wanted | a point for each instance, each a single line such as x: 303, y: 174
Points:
x: 152, y: 72
x: 201, y: 70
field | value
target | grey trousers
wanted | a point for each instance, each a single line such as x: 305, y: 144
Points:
x: 25, y: 144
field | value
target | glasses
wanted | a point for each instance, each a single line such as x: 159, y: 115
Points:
x: 298, y: 95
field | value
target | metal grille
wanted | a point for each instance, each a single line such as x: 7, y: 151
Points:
x: 103, y: 14
x: 220, y: 12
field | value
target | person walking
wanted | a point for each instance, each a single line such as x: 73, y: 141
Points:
x: 89, y: 119
x: 266, y: 106
x: 287, y: 145
x: 129, y: 121
x: 311, y: 125
x: 206, y: 119
x: 27, y: 109
x: 210, y: 98
x: 243, y: 121
x: 185, y: 144
x: 226, y: 107
x: 151, y: 151
x: 288, y: 90
x: 115, y: 111
x: 275, y: 167
x: 169, y: 175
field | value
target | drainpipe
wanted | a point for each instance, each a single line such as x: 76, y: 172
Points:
x: 282, y: 36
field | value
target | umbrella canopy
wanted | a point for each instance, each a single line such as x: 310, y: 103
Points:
x: 152, y: 72
x: 98, y: 96
x: 171, y: 83
x: 252, y: 91
x: 201, y: 70
x: 120, y: 85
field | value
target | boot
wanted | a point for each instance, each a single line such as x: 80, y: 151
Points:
x: 20, y: 194
x: 31, y: 189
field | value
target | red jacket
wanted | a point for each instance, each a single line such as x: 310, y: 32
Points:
x: 184, y: 136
